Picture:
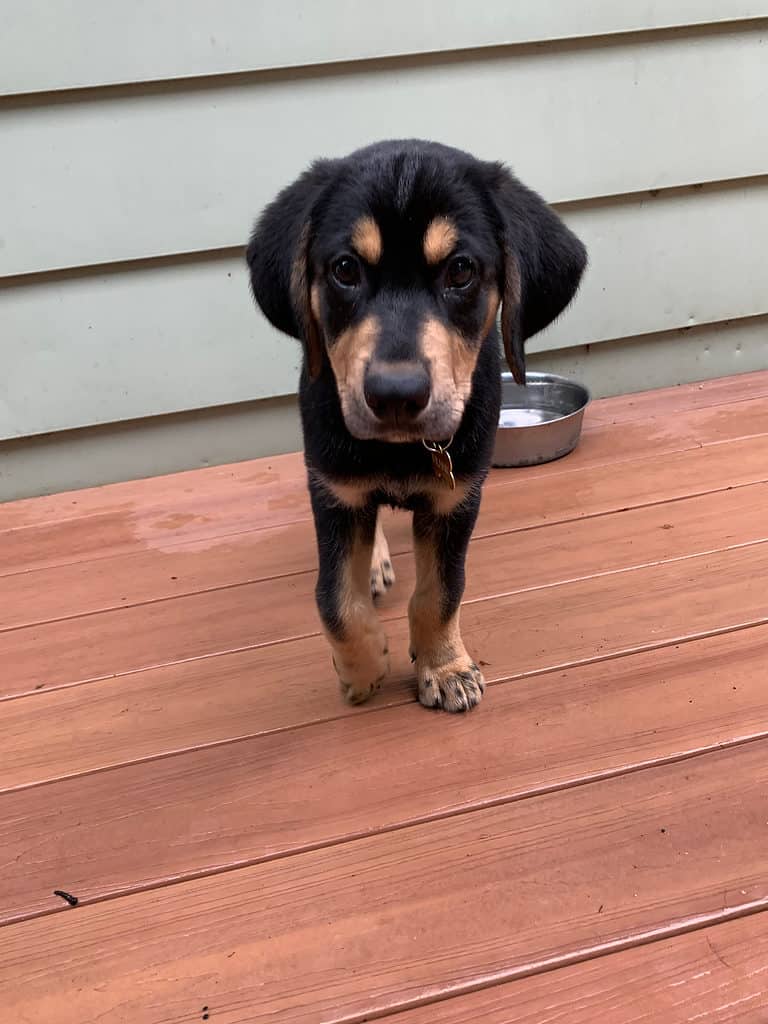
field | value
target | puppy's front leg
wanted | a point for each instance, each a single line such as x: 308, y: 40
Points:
x: 345, y: 538
x: 448, y: 677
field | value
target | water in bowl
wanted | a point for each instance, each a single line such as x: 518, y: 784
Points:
x: 511, y: 417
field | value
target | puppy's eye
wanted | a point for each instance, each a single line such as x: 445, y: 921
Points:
x: 346, y: 271
x: 460, y: 272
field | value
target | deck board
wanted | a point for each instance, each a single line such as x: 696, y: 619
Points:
x: 573, y: 622
x: 544, y: 733
x: 175, y: 752
x: 381, y: 923
x: 569, y: 550
x: 712, y: 976
x: 85, y: 726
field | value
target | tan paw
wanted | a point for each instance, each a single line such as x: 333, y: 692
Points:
x: 382, y: 577
x: 382, y: 573
x: 361, y: 673
x: 457, y: 686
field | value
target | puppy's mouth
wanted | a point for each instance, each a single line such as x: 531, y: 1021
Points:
x: 437, y: 422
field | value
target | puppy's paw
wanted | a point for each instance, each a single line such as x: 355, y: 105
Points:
x: 362, y: 672
x: 382, y: 573
x: 382, y: 577
x: 457, y: 686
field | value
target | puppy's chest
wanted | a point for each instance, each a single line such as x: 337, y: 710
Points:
x: 413, y: 492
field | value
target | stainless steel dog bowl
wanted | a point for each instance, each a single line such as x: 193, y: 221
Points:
x: 540, y: 422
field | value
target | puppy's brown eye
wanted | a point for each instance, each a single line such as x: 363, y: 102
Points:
x: 460, y: 272
x: 346, y: 271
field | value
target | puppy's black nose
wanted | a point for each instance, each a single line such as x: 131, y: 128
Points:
x: 396, y: 393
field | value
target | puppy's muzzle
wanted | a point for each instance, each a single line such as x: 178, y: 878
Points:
x: 396, y: 394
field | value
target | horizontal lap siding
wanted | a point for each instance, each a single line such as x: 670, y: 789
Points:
x: 101, y: 42
x: 183, y: 336
x: 95, y: 184
x: 153, y: 172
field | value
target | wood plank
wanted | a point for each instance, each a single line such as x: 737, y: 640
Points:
x: 259, y: 476
x: 110, y: 643
x: 166, y: 314
x: 105, y: 45
x: 680, y: 399
x: 525, y: 498
x: 386, y: 922
x: 562, y: 551
x: 178, y: 515
x: 628, y: 484
x: 712, y: 975
x: 290, y: 791
x: 573, y: 623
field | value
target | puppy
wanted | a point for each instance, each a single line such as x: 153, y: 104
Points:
x: 390, y: 266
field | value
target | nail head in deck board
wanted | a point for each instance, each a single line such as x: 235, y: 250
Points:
x: 282, y: 793
x: 366, y: 926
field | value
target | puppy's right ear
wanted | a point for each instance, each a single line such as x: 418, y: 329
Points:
x: 277, y: 257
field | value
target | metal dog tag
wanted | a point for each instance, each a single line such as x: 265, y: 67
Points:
x: 442, y: 464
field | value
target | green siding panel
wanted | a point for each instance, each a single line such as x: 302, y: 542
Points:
x: 105, y: 347
x: 115, y: 364
x: 101, y: 42
x: 124, y: 177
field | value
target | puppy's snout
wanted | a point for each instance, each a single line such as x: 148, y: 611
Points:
x: 396, y: 393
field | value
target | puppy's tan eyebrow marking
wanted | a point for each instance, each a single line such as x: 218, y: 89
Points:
x: 440, y: 239
x: 366, y: 240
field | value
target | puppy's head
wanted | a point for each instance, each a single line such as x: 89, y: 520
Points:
x: 391, y: 266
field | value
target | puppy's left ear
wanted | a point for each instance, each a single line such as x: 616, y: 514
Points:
x: 543, y: 262
x: 277, y: 256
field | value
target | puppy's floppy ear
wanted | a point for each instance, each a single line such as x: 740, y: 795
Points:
x: 277, y: 256
x: 542, y: 259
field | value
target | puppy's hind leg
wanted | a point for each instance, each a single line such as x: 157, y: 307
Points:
x: 382, y: 573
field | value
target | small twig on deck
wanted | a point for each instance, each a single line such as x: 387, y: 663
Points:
x: 70, y: 899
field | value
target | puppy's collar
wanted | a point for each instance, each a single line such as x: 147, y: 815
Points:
x: 442, y: 463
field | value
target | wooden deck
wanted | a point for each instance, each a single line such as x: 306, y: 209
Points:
x: 591, y: 845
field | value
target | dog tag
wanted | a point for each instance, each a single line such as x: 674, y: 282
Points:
x: 442, y: 464
x: 443, y: 467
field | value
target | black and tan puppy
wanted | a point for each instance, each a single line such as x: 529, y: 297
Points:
x: 391, y: 266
